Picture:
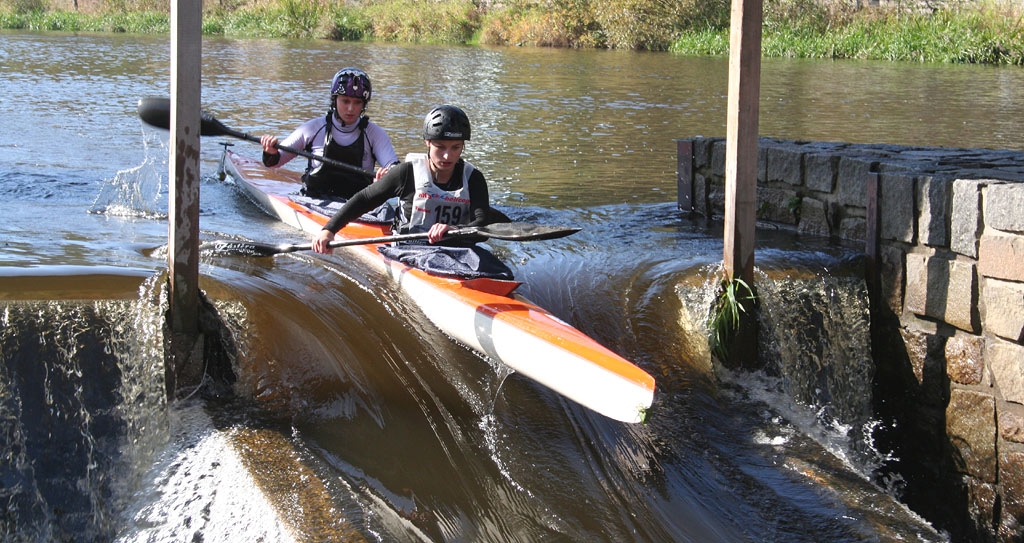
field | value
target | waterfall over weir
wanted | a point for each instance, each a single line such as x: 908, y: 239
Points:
x: 815, y: 352
x: 92, y: 451
x: 816, y: 334
x: 81, y: 405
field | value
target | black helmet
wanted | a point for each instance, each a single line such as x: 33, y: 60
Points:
x: 446, y: 123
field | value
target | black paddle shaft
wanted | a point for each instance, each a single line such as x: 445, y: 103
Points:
x: 503, y: 231
x: 156, y: 111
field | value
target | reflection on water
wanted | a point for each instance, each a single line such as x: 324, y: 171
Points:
x: 882, y: 102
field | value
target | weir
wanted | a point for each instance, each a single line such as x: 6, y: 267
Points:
x: 92, y: 450
x: 82, y: 402
x: 814, y: 348
x: 943, y: 236
x: 81, y: 408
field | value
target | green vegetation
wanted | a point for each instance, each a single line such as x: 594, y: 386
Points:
x: 67, y: 21
x: 982, y: 33
x: 724, y: 319
x: 974, y: 32
x: 794, y: 204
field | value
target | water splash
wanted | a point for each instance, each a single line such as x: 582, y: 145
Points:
x: 140, y: 191
x: 198, y: 488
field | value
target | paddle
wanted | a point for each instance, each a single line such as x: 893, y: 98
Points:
x: 156, y: 112
x: 520, y: 231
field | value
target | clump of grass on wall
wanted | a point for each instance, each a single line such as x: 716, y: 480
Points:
x: 724, y: 318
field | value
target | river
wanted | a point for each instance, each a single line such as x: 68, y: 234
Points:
x: 347, y: 393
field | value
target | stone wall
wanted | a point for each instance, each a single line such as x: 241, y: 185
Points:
x: 943, y: 231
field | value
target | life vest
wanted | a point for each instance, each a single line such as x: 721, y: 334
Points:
x: 329, y: 180
x: 432, y: 204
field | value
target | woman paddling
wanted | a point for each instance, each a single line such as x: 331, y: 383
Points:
x: 345, y: 134
x: 436, y: 190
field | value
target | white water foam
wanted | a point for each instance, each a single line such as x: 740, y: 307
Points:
x: 199, y: 490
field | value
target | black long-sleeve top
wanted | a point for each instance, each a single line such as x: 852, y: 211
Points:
x: 400, y: 182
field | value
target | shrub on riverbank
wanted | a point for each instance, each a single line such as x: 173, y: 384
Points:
x: 986, y: 34
x: 982, y: 33
x: 451, y: 21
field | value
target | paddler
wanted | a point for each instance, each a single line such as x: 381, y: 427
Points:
x: 436, y: 190
x: 345, y: 134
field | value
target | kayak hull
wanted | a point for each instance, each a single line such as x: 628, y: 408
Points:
x: 483, y: 314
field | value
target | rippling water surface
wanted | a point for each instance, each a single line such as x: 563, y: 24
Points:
x: 356, y: 418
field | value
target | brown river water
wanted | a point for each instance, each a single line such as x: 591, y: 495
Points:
x: 355, y: 418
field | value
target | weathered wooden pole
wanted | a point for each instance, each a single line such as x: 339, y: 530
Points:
x: 741, y: 138
x: 183, y: 361
x: 741, y: 165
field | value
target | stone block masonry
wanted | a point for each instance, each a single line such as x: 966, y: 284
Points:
x: 947, y: 302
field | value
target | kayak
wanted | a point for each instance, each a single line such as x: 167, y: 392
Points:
x: 483, y: 313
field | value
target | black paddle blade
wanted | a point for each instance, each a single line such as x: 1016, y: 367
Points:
x: 244, y: 248
x: 210, y: 126
x: 524, y: 231
x: 156, y: 111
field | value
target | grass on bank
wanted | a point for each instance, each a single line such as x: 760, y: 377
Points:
x: 986, y: 34
x: 981, y: 33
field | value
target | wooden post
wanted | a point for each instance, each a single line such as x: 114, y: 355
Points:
x: 742, y: 139
x: 184, y: 354
x: 741, y: 172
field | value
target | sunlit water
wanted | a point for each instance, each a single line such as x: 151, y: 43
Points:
x: 386, y: 429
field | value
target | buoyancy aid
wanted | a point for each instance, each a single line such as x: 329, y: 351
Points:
x: 329, y: 180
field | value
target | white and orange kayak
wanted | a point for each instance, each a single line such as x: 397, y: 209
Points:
x: 484, y: 314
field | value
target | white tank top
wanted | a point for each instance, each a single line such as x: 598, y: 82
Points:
x: 431, y: 204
